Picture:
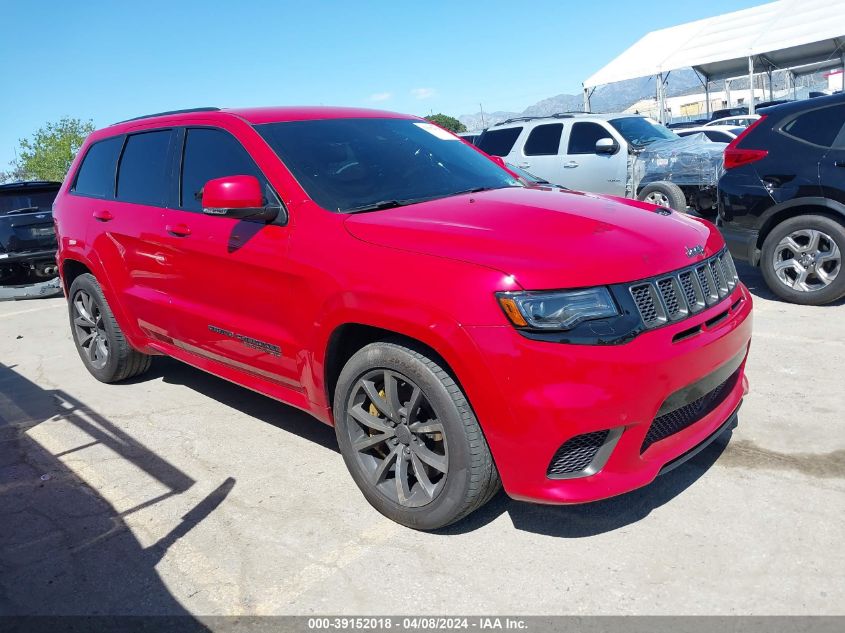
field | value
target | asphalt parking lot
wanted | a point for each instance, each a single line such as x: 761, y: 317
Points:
x: 181, y: 493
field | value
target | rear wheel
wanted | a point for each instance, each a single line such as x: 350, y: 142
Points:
x: 99, y: 340
x: 664, y: 194
x: 802, y: 260
x: 410, y: 438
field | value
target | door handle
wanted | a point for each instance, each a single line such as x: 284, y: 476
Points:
x: 103, y: 215
x: 179, y: 230
x: 570, y: 165
x: 523, y: 165
x: 839, y: 163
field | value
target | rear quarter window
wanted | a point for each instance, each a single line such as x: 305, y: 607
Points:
x: 96, y: 174
x: 499, y: 142
x: 819, y: 127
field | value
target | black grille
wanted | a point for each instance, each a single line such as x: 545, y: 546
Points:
x: 703, y: 280
x: 716, y: 269
x: 689, y: 290
x: 679, y: 294
x: 576, y: 453
x: 645, y: 304
x: 670, y: 297
x: 730, y: 269
x: 670, y: 423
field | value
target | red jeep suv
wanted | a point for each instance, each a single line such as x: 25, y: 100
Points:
x: 457, y: 327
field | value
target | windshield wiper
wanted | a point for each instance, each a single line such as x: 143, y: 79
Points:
x: 22, y: 210
x: 378, y: 206
x: 391, y: 204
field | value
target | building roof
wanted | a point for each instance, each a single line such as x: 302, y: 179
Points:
x: 807, y: 35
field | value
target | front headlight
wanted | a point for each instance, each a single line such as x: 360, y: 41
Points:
x: 560, y: 310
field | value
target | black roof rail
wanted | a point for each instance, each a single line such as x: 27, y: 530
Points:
x: 168, y: 112
x: 514, y: 120
x: 556, y: 115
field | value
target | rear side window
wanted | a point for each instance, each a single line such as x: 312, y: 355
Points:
x: 544, y: 140
x: 96, y: 174
x: 142, y: 175
x: 499, y: 142
x: 583, y: 137
x: 819, y: 127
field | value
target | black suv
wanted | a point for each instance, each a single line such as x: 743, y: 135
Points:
x: 27, y: 235
x: 782, y: 198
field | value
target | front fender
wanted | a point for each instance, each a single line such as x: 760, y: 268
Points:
x: 423, y: 323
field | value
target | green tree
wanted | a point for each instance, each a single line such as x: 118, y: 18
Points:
x: 448, y: 122
x: 47, y: 155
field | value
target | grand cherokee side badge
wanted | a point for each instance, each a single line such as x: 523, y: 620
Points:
x: 698, y: 249
x: 254, y: 343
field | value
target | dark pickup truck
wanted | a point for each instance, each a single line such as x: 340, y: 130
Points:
x: 27, y: 235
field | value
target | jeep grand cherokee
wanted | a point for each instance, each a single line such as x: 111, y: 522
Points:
x: 458, y: 328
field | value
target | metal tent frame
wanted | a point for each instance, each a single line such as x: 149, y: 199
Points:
x: 795, y: 36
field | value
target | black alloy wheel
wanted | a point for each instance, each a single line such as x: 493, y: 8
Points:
x: 398, y: 439
x: 410, y: 438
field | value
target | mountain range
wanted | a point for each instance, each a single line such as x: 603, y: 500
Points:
x: 616, y: 97
x: 609, y: 98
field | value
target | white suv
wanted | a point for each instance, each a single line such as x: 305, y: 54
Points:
x: 599, y: 153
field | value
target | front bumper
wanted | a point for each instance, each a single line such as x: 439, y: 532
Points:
x: 547, y: 393
x: 742, y: 242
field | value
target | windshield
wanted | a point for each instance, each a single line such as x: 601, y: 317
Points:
x: 639, y: 131
x: 363, y: 164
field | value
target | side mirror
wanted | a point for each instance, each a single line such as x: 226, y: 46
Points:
x: 499, y: 161
x: 237, y: 197
x: 606, y: 146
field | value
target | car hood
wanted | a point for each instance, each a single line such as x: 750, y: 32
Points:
x: 546, y: 238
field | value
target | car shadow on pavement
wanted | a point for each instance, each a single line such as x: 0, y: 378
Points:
x: 753, y: 280
x: 256, y: 405
x: 591, y: 519
x: 64, y: 549
x: 574, y: 521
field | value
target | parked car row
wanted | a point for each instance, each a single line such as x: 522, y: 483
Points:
x: 781, y: 200
x: 619, y: 154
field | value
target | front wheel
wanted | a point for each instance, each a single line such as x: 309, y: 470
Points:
x: 802, y: 260
x: 410, y: 438
x: 664, y: 194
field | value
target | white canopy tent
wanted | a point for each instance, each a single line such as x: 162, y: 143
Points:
x: 799, y: 36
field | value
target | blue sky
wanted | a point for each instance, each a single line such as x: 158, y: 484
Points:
x: 109, y: 61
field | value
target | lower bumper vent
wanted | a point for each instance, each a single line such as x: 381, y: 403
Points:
x: 577, y: 453
x: 674, y: 421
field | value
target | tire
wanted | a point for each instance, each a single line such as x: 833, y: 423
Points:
x: 814, y: 244
x: 107, y: 354
x: 440, y: 430
x: 664, y: 194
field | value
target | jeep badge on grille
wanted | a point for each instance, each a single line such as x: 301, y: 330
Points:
x: 698, y: 249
